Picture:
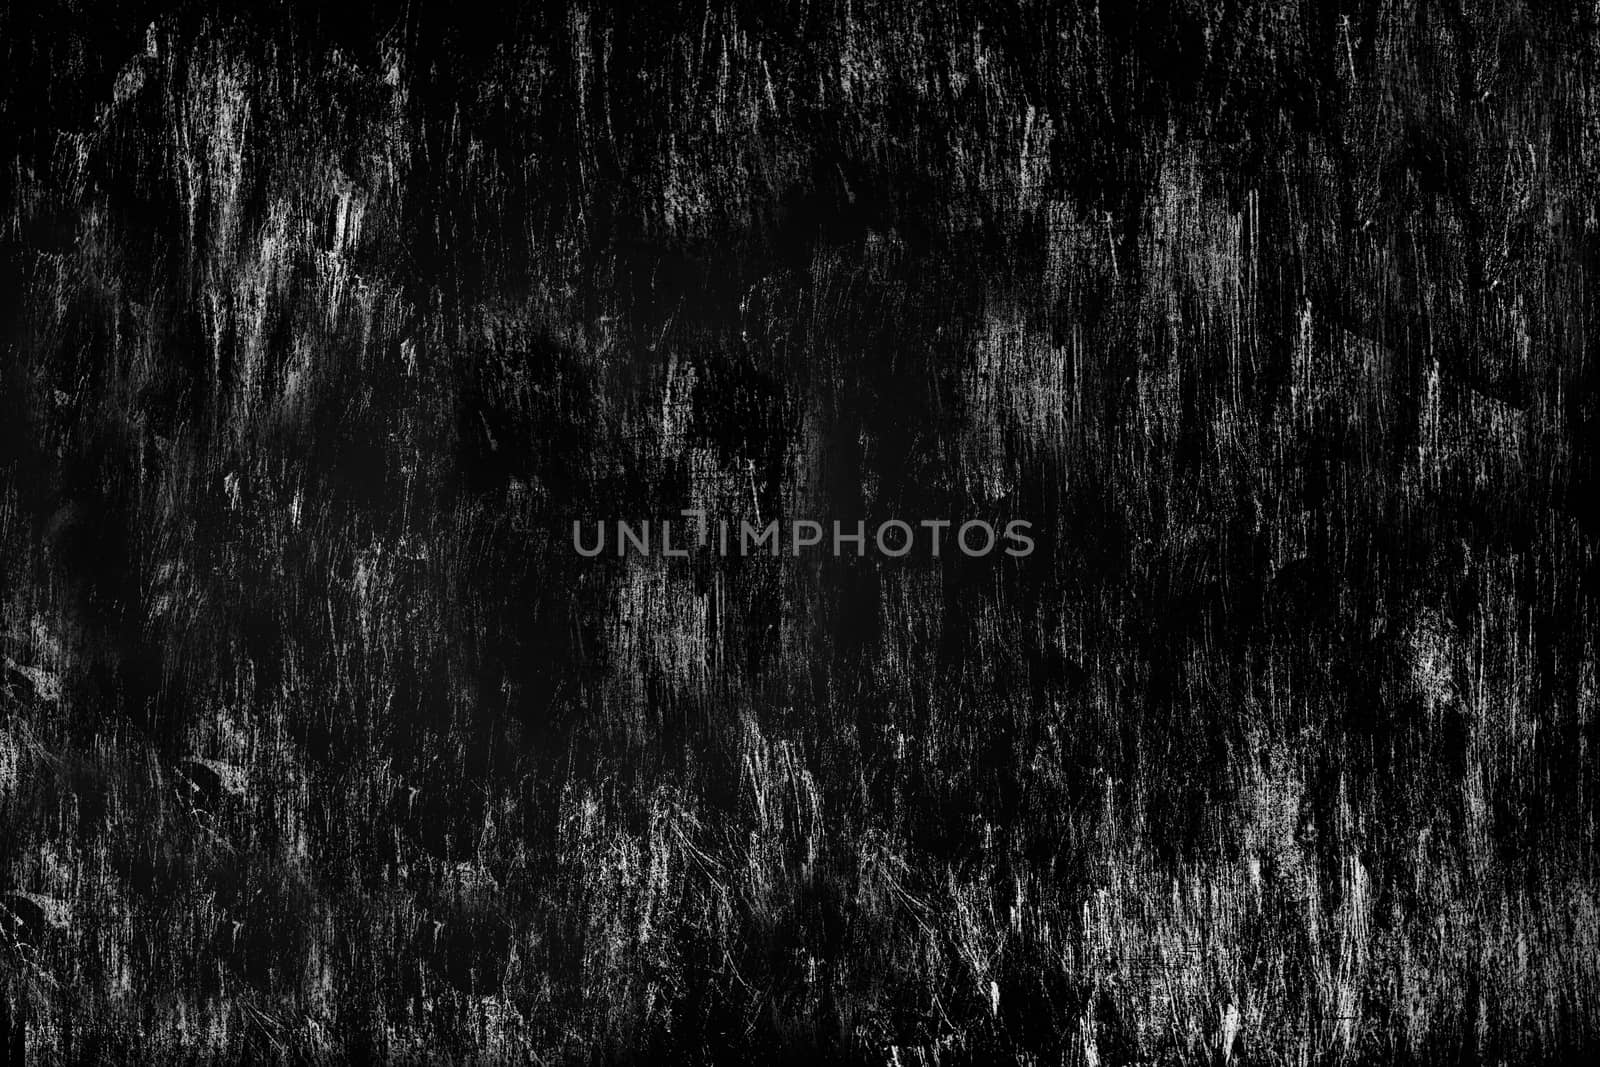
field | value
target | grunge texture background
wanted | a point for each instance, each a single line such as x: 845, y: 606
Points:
x: 318, y: 742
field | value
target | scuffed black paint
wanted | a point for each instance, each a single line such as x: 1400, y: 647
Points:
x: 322, y: 325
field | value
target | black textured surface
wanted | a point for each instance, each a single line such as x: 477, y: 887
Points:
x: 319, y: 742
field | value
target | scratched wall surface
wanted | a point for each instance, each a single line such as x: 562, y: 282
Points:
x: 318, y: 741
